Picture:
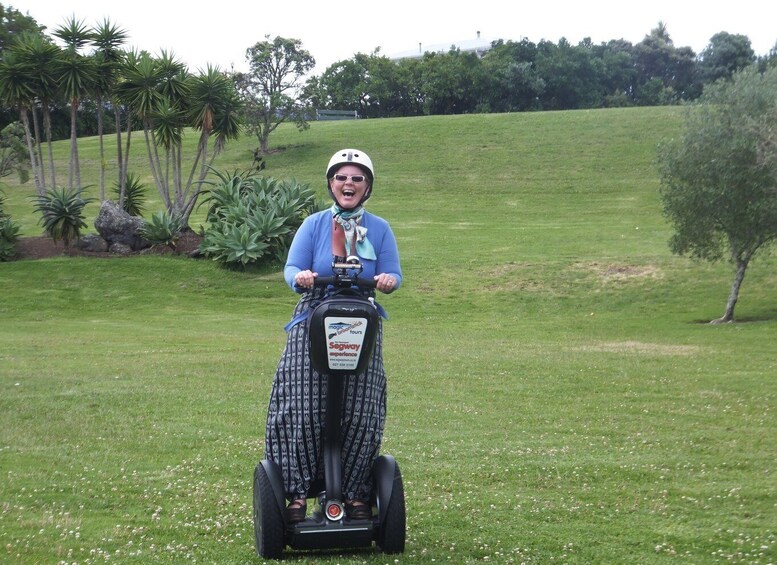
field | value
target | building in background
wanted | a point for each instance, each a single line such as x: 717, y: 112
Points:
x: 478, y: 46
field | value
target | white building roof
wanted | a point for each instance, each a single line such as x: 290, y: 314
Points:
x: 477, y: 45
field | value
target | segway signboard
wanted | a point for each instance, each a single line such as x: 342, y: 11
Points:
x: 345, y: 341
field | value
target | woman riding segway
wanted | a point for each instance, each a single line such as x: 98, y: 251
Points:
x: 296, y: 413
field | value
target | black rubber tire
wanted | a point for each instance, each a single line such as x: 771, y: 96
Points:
x: 391, y: 536
x: 269, y: 525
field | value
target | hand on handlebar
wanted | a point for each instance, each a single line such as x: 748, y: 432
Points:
x: 305, y: 279
x: 385, y: 282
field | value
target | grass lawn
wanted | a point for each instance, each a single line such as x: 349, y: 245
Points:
x: 554, y: 393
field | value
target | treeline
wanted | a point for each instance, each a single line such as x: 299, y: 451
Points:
x: 513, y: 76
x: 524, y: 76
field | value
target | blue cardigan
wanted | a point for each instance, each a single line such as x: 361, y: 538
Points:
x: 312, y: 248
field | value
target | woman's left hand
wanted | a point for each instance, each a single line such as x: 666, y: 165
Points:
x: 385, y: 282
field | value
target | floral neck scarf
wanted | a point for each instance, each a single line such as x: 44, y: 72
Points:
x: 349, y: 220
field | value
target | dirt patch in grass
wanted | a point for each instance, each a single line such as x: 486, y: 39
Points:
x: 614, y: 272
x: 40, y: 247
x: 640, y: 348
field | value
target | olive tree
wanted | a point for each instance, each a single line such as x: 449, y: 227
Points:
x: 719, y: 179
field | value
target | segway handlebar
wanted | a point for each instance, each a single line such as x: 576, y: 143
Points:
x: 346, y: 276
x: 344, y: 281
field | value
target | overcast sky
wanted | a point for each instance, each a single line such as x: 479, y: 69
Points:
x: 219, y: 31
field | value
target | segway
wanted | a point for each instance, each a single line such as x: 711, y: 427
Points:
x: 342, y: 331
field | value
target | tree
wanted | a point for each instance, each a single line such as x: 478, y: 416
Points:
x: 453, y: 82
x: 15, y: 90
x: 726, y: 54
x: 571, y: 75
x: 272, y: 89
x: 40, y: 59
x: 512, y: 78
x: 13, y: 23
x: 719, y: 180
x: 664, y: 72
x: 77, y: 78
x: 167, y: 98
x: 107, y: 38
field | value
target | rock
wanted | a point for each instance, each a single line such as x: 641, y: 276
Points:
x: 92, y: 243
x: 120, y: 249
x: 117, y: 227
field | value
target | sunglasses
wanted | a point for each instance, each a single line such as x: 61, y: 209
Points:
x: 355, y: 178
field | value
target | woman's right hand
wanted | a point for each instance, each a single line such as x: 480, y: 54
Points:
x: 305, y: 279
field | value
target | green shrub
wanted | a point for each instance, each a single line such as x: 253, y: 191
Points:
x: 253, y: 218
x: 134, y: 195
x: 162, y: 229
x: 13, y: 153
x: 9, y: 235
x: 2, y: 205
x: 62, y: 213
x: 235, y: 245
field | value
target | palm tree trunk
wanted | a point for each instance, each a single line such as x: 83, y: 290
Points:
x: 38, y: 146
x: 156, y: 167
x: 125, y: 166
x: 33, y: 158
x: 73, y: 145
x: 102, y: 148
x: 197, y: 158
x: 119, y: 161
x: 47, y: 128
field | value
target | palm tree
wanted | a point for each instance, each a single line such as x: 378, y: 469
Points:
x: 167, y: 99
x: 214, y: 110
x: 129, y: 81
x: 168, y: 123
x: 40, y: 57
x: 139, y: 91
x: 15, y: 90
x: 77, y: 77
x: 107, y: 38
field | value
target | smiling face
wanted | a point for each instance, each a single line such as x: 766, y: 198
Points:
x: 348, y: 193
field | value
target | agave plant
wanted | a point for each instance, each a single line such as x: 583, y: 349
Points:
x: 253, y: 218
x: 134, y: 195
x: 162, y: 229
x: 235, y: 245
x: 9, y: 235
x: 62, y: 213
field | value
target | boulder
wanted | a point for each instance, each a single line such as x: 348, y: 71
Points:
x: 120, y: 249
x: 92, y: 243
x: 117, y: 227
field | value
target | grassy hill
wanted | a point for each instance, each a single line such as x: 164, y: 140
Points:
x: 553, y: 393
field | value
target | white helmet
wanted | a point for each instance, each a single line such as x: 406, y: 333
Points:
x: 351, y: 157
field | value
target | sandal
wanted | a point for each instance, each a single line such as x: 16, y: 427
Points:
x: 358, y: 510
x: 296, y: 511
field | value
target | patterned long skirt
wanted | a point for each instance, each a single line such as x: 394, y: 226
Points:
x: 296, y: 416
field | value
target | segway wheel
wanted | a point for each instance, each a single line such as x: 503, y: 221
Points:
x: 391, y: 536
x: 268, y: 520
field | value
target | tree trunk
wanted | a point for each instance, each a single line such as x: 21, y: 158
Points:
x: 125, y: 166
x: 102, y: 148
x: 39, y: 147
x: 728, y: 316
x: 33, y: 158
x: 119, y: 162
x: 264, y: 143
x: 156, y: 166
x: 47, y: 127
x: 75, y: 171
